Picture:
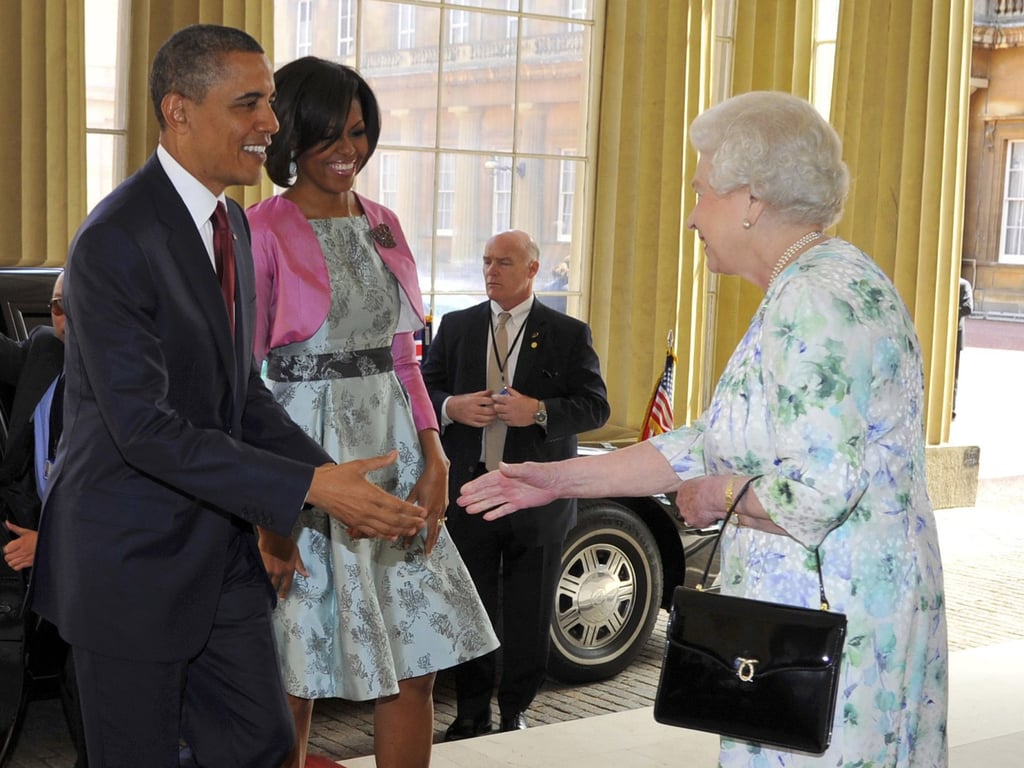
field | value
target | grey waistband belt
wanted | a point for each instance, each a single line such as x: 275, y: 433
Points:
x: 347, y: 365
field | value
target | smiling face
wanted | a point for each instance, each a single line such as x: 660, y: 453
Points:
x: 718, y: 220
x: 222, y: 139
x: 331, y: 169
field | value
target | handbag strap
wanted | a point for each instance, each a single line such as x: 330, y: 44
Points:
x: 702, y: 584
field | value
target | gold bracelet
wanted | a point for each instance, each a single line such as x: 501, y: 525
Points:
x: 729, y: 491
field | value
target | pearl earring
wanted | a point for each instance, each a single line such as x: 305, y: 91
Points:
x: 293, y: 169
x: 746, y: 223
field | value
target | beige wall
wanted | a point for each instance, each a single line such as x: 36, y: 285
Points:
x: 996, y: 117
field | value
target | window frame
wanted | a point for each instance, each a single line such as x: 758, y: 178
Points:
x: 1012, y: 205
x: 346, y: 39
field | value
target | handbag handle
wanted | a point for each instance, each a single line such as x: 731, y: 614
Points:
x: 702, y: 584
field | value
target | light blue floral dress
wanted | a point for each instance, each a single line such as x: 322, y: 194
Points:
x: 823, y: 399
x: 371, y: 612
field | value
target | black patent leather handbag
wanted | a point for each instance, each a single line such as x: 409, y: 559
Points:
x: 751, y: 670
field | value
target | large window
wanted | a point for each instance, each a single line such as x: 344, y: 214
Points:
x: 346, y: 28
x: 1011, y: 245
x: 304, y: 29
x: 478, y: 100
x: 105, y: 97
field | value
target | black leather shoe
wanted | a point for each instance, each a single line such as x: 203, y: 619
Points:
x: 468, y: 728
x: 516, y: 722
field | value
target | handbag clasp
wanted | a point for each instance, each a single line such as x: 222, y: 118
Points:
x: 745, y: 668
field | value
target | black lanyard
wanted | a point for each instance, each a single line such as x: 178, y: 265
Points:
x: 494, y: 343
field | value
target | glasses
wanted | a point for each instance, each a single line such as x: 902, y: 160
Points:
x: 56, y: 306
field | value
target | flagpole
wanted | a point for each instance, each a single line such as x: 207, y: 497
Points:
x: 659, y: 417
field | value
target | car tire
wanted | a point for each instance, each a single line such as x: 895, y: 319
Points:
x: 608, y: 594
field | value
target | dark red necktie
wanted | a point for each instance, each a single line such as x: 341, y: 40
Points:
x: 224, y: 259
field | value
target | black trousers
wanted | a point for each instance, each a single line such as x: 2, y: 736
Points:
x: 228, y: 703
x: 516, y: 584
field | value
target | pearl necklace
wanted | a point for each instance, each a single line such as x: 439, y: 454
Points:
x: 788, y: 254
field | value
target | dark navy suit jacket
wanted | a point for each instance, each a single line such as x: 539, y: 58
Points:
x: 556, y: 364
x: 172, y: 446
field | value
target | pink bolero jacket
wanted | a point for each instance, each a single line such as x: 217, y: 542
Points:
x: 293, y: 288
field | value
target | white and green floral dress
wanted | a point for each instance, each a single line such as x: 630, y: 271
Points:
x: 371, y: 612
x: 823, y: 399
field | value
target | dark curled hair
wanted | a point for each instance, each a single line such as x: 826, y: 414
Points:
x: 313, y: 100
x: 189, y: 62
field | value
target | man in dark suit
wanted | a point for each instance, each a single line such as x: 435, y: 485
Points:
x: 514, y: 380
x: 172, y: 447
x: 34, y: 368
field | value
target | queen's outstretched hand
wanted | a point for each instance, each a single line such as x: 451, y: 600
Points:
x: 509, y: 488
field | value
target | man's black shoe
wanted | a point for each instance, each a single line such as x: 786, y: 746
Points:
x: 516, y: 722
x: 468, y: 728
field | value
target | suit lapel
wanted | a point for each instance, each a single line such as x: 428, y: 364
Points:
x: 479, y: 336
x: 186, y: 249
x: 530, y: 347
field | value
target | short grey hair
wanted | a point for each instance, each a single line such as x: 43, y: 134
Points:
x: 779, y: 146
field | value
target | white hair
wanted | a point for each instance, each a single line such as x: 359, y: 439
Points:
x: 780, y: 147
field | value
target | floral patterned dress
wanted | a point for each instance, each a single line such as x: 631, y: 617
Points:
x: 371, y: 612
x: 823, y: 399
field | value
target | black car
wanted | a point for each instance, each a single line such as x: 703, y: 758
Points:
x: 620, y: 565
x: 31, y: 656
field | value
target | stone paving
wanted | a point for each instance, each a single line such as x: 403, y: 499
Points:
x: 983, y: 558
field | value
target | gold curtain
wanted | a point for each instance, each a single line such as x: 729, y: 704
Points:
x: 44, y: 131
x: 152, y: 22
x: 900, y: 102
x: 773, y: 52
x: 646, y: 279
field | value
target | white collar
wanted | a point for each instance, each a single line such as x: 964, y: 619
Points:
x: 518, y: 312
x: 199, y: 200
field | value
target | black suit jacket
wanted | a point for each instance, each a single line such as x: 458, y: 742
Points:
x: 556, y: 364
x: 171, y: 445
x: 31, y: 367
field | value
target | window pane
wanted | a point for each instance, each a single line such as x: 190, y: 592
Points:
x: 1013, y: 205
x: 478, y: 88
x: 405, y: 81
x: 104, y: 107
x: 553, y: 86
x: 105, y: 158
x: 575, y: 9
x: 495, y: 5
x: 346, y: 30
x: 105, y: 96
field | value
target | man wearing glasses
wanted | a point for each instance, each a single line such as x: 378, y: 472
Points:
x: 35, y: 368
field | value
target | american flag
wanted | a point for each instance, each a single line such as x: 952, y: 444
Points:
x: 659, y: 412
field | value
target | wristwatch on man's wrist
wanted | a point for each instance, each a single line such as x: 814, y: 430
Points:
x: 540, y: 418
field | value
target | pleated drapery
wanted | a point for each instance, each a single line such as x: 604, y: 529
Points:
x: 43, y: 165
x: 647, y: 278
x: 900, y: 104
x: 773, y: 52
